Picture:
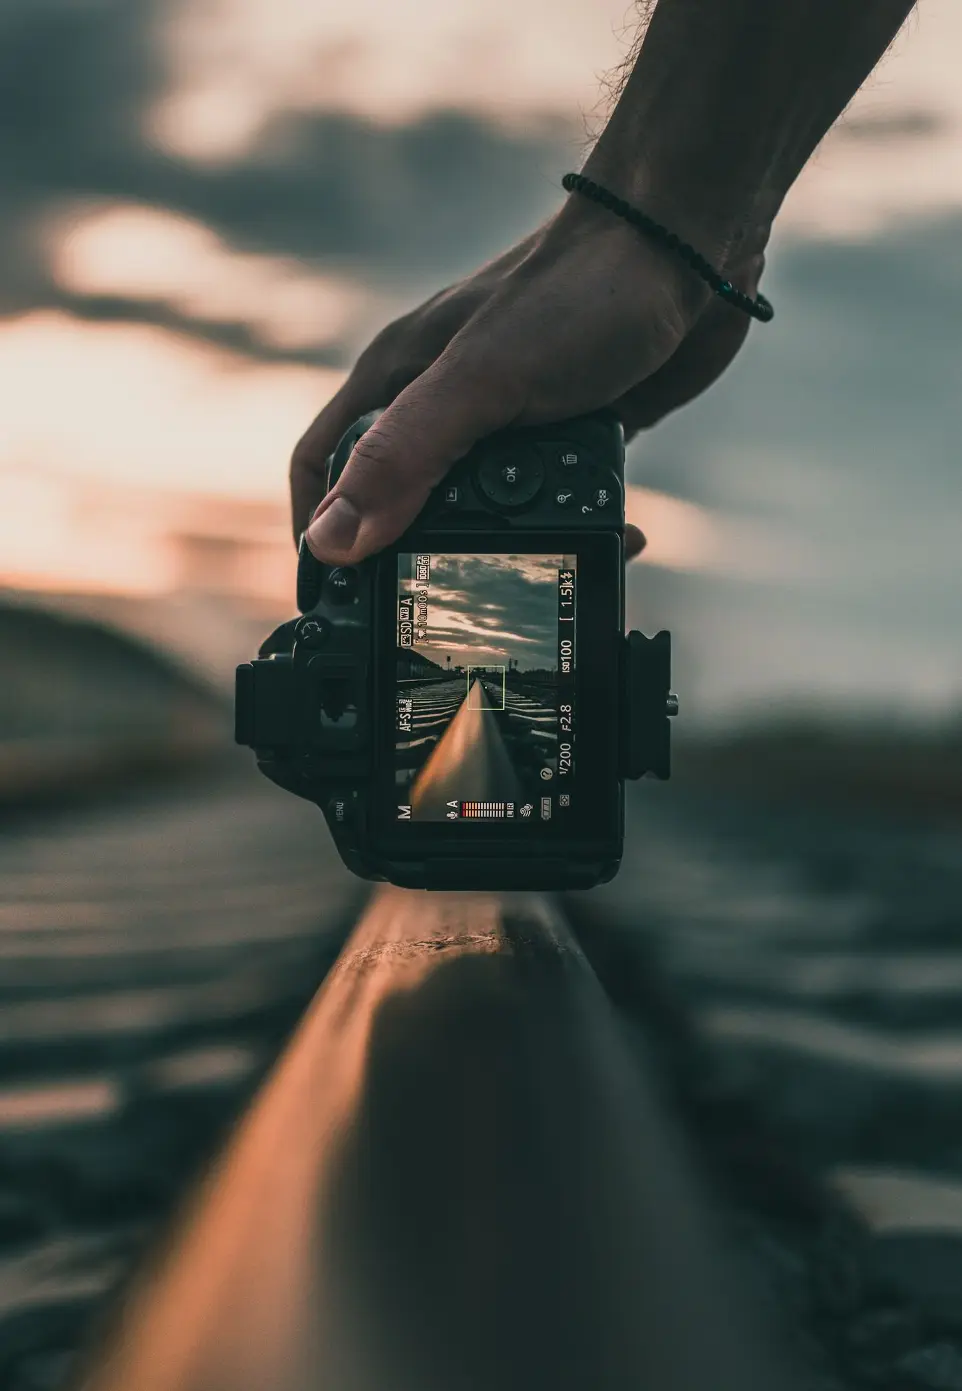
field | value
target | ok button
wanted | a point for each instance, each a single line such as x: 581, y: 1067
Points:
x: 510, y: 480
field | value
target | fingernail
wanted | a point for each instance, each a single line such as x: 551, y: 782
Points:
x: 334, y: 529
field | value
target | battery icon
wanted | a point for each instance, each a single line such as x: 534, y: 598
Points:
x: 545, y: 808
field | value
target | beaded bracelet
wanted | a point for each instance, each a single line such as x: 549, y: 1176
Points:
x: 759, y: 308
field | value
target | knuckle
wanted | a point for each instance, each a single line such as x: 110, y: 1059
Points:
x: 373, y: 453
x: 383, y: 469
x: 401, y: 375
x: 387, y: 345
x: 305, y: 459
x: 405, y: 349
x: 388, y: 364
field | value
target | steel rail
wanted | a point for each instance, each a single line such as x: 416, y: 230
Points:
x: 456, y: 1178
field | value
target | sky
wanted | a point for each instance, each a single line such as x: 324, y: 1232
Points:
x: 210, y: 206
x: 490, y: 609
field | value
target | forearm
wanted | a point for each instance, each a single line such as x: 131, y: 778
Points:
x: 725, y: 104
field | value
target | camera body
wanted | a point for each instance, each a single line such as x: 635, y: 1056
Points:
x: 465, y: 706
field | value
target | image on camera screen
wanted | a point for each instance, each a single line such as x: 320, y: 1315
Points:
x: 485, y: 705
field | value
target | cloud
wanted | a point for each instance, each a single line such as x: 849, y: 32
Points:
x: 492, y: 608
x: 907, y: 123
x: 418, y: 203
x: 856, y: 380
x: 125, y: 260
x: 827, y: 460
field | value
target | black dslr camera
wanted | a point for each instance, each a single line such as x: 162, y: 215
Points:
x: 465, y: 706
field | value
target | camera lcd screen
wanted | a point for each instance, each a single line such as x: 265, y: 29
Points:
x: 486, y: 720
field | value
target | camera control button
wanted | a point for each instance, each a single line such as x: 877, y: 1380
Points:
x: 313, y: 632
x: 511, y: 480
x: 564, y: 497
x: 603, y: 497
x: 568, y: 458
x: 342, y: 584
x: 341, y: 809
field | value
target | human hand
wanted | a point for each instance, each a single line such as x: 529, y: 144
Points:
x: 582, y: 313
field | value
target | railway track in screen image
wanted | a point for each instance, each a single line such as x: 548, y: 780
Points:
x: 478, y: 738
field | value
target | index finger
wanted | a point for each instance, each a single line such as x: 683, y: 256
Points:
x: 308, y: 470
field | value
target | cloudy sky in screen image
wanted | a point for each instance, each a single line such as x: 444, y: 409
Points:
x: 487, y: 609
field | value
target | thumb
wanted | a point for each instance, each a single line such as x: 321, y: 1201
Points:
x: 431, y: 424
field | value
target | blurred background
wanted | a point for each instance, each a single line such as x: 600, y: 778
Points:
x: 208, y: 208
